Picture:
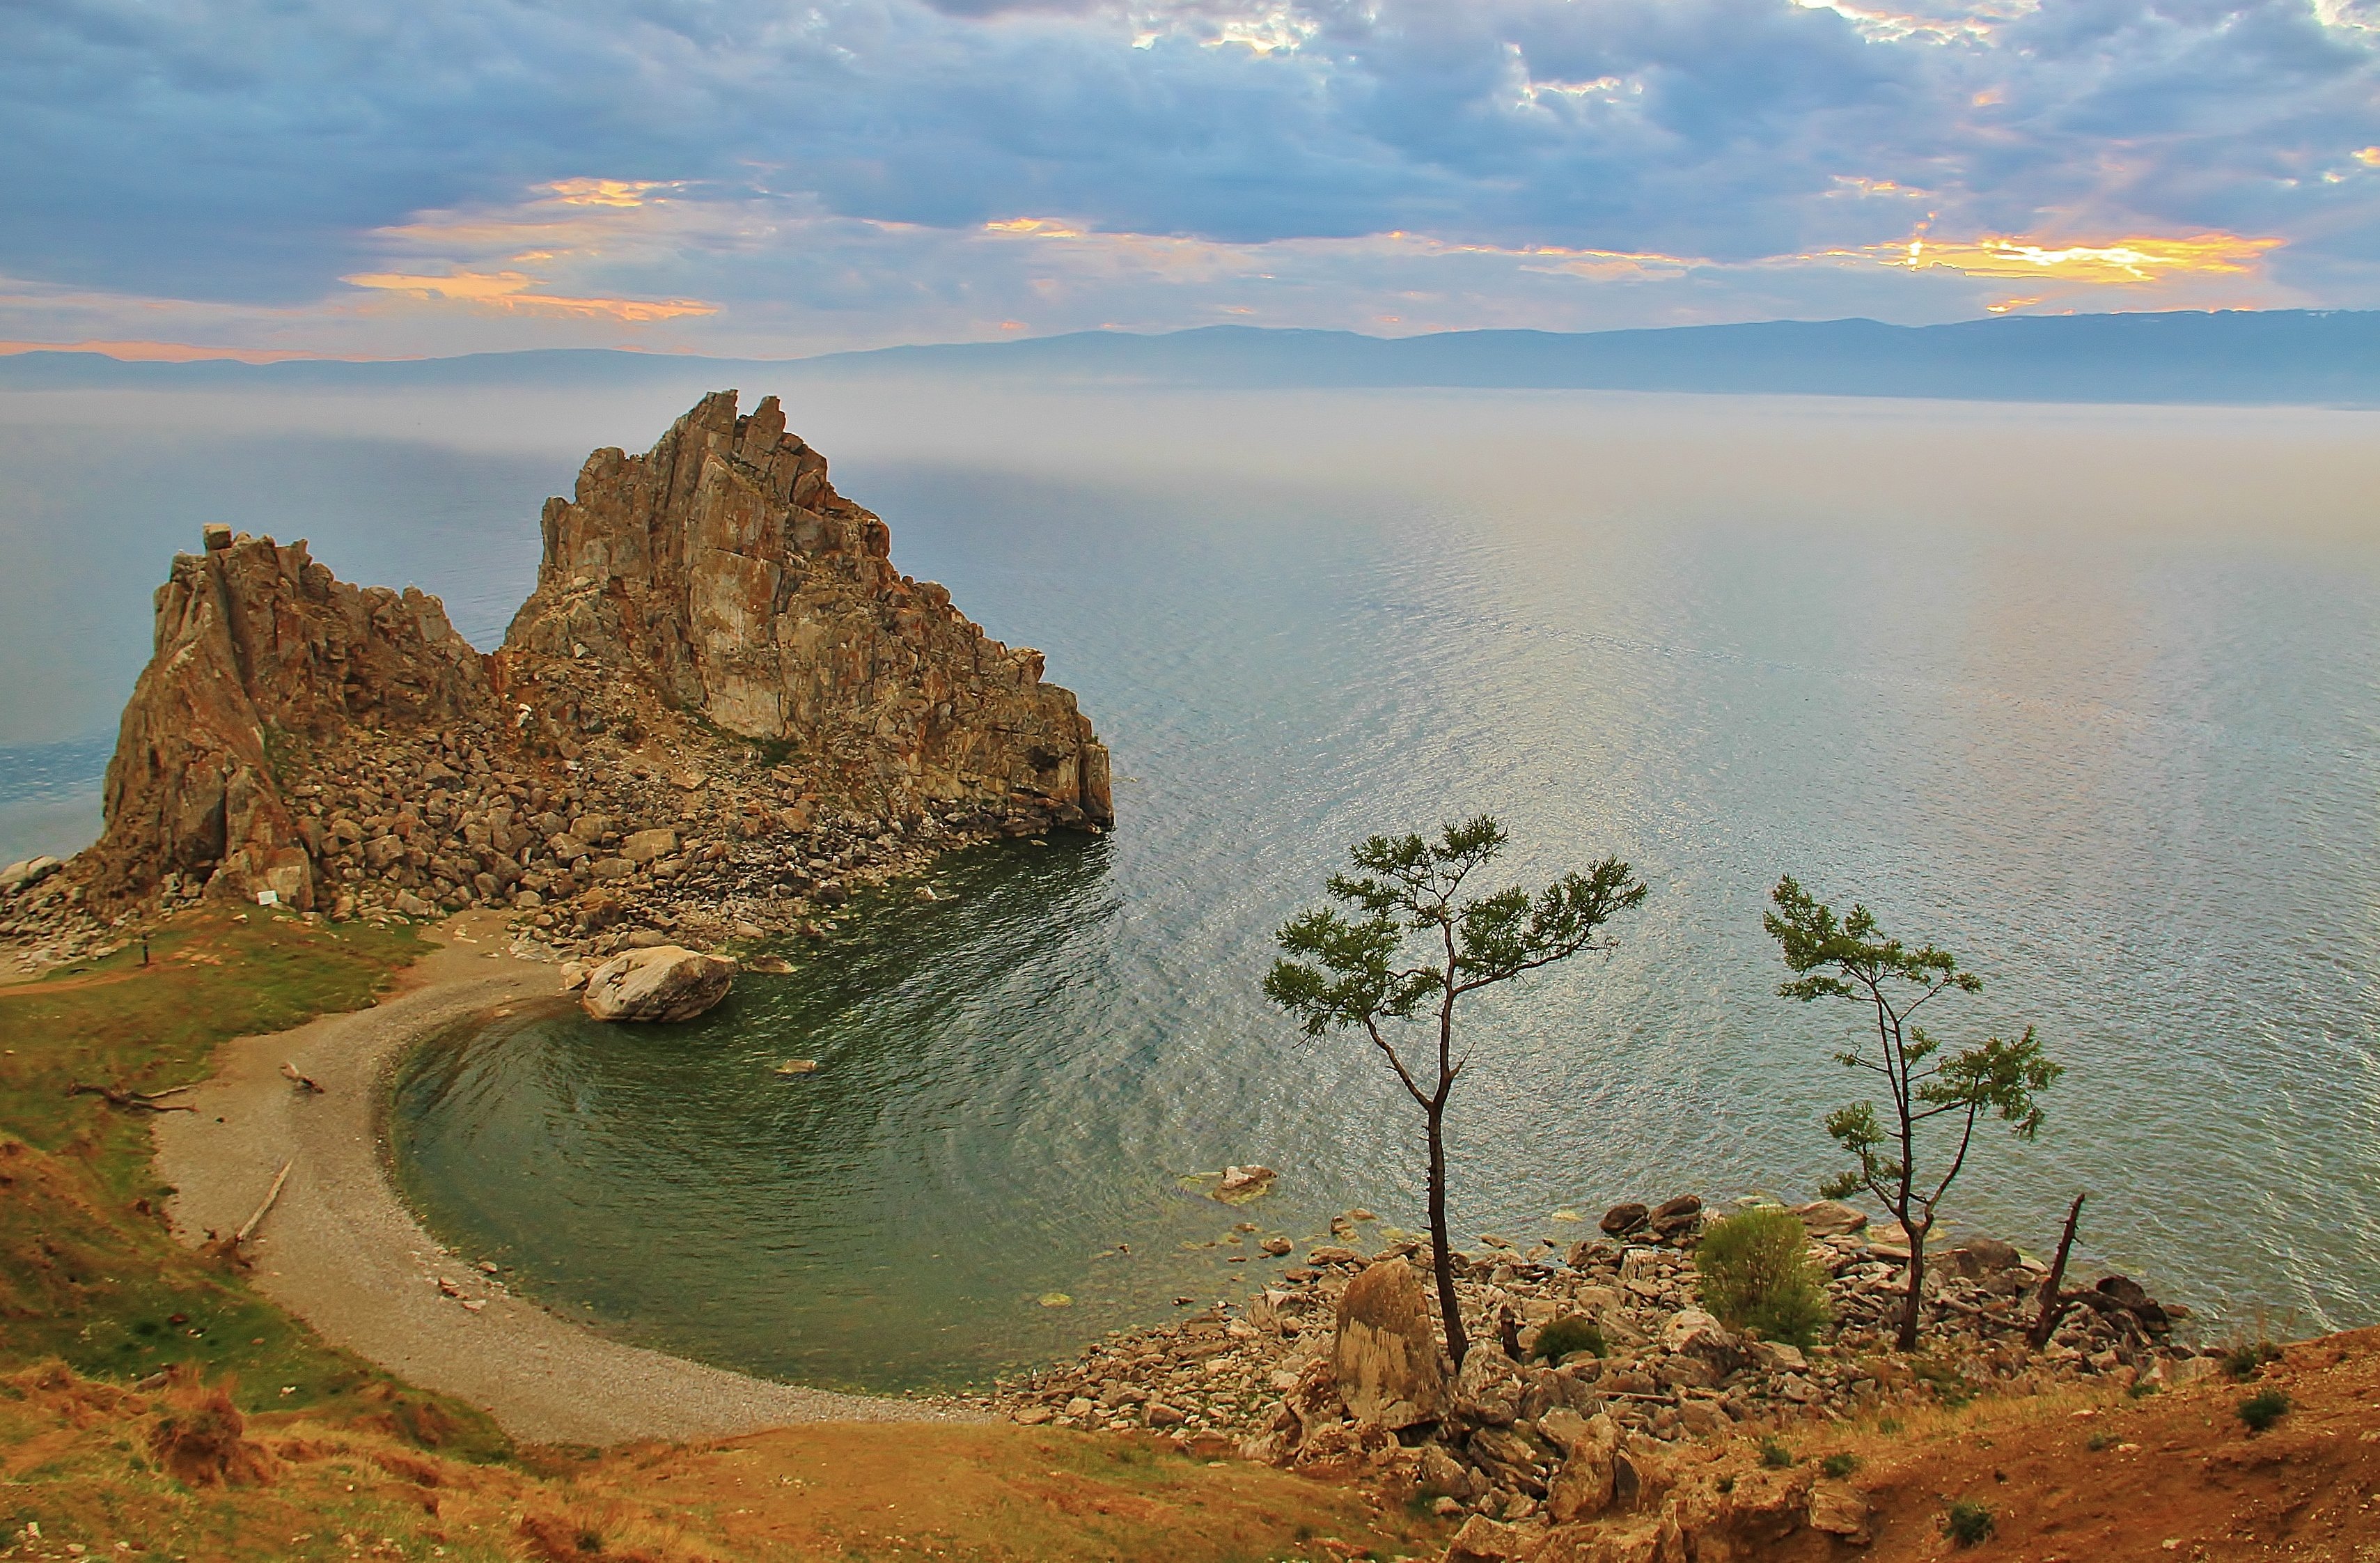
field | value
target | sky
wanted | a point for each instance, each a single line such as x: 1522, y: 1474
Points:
x: 367, y: 179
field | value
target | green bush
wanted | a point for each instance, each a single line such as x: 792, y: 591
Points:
x: 2262, y: 1408
x: 1775, y: 1455
x: 1967, y: 1522
x: 1756, y: 1275
x: 1572, y: 1332
x: 2247, y: 1359
x: 1839, y: 1464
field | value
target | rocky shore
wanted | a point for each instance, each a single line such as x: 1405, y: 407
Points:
x: 722, y: 713
x: 1334, y: 1370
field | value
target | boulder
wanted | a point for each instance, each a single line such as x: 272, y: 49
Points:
x: 1483, y: 1540
x: 645, y: 846
x: 1488, y: 1389
x: 1623, y: 1219
x: 662, y: 983
x: 1241, y: 1184
x: 1440, y: 1476
x: 1672, y: 1218
x: 1583, y: 1487
x: 1385, y: 1351
x: 27, y: 873
x: 1692, y: 1332
x: 1838, y: 1511
x: 1830, y: 1218
x: 1978, y: 1257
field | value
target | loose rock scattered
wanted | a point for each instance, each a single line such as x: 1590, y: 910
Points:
x: 1324, y: 1371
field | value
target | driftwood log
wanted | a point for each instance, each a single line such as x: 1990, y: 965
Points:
x: 131, y: 1100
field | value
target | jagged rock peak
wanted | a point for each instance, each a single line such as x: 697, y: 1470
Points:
x: 260, y: 654
x: 713, y: 606
x: 723, y: 566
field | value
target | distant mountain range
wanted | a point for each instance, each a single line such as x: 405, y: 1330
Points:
x: 2319, y: 357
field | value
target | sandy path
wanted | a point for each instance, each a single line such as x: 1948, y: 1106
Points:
x: 342, y: 1251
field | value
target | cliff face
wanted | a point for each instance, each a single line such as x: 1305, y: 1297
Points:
x: 712, y: 610
x: 260, y: 657
x: 723, y: 566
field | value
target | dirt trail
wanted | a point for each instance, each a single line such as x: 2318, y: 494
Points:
x: 342, y: 1251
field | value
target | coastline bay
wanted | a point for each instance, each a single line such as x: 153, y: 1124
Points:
x: 2088, y: 695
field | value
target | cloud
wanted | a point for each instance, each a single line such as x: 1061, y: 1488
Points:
x: 518, y: 290
x: 836, y: 169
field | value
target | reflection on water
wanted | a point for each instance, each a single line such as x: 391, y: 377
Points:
x: 2091, y: 696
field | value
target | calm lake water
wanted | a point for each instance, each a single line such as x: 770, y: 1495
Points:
x: 2086, y: 694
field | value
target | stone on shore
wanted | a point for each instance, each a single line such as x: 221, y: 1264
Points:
x: 1830, y: 1218
x: 31, y: 871
x: 664, y: 984
x: 1623, y: 1219
x: 1384, y: 1350
x: 1672, y: 1218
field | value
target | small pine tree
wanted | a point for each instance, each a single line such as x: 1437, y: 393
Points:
x: 1847, y: 958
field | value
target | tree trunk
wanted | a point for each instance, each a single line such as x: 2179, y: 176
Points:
x: 1450, y: 1306
x: 2053, y: 1300
x: 1913, y: 1300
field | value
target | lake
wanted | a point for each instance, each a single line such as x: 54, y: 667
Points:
x: 2089, y: 695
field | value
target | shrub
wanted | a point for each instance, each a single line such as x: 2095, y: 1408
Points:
x: 1756, y: 1275
x: 1967, y: 1521
x: 1775, y: 1455
x: 2247, y: 1359
x: 2262, y: 1408
x: 1572, y: 1332
x: 1839, y: 1464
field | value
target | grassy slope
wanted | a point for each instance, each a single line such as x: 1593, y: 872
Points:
x: 88, y: 1272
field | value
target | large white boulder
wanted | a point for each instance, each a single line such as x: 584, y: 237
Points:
x: 666, y: 983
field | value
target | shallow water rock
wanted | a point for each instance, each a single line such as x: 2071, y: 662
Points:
x: 1672, y: 1216
x: 662, y: 983
x: 1623, y: 1219
x: 1241, y: 1184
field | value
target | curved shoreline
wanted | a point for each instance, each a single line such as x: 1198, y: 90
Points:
x: 341, y: 1249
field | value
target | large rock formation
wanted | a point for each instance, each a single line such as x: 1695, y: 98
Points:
x: 723, y: 566
x: 719, y: 646
x: 260, y: 657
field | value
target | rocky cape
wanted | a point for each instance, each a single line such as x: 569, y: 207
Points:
x: 722, y: 708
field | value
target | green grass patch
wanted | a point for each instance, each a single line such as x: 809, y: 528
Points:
x: 89, y: 1272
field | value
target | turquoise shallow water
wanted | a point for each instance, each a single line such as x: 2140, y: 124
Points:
x: 2089, y: 696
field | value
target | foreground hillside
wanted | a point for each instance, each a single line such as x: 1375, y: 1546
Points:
x: 2079, y: 1476
x: 152, y: 1403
